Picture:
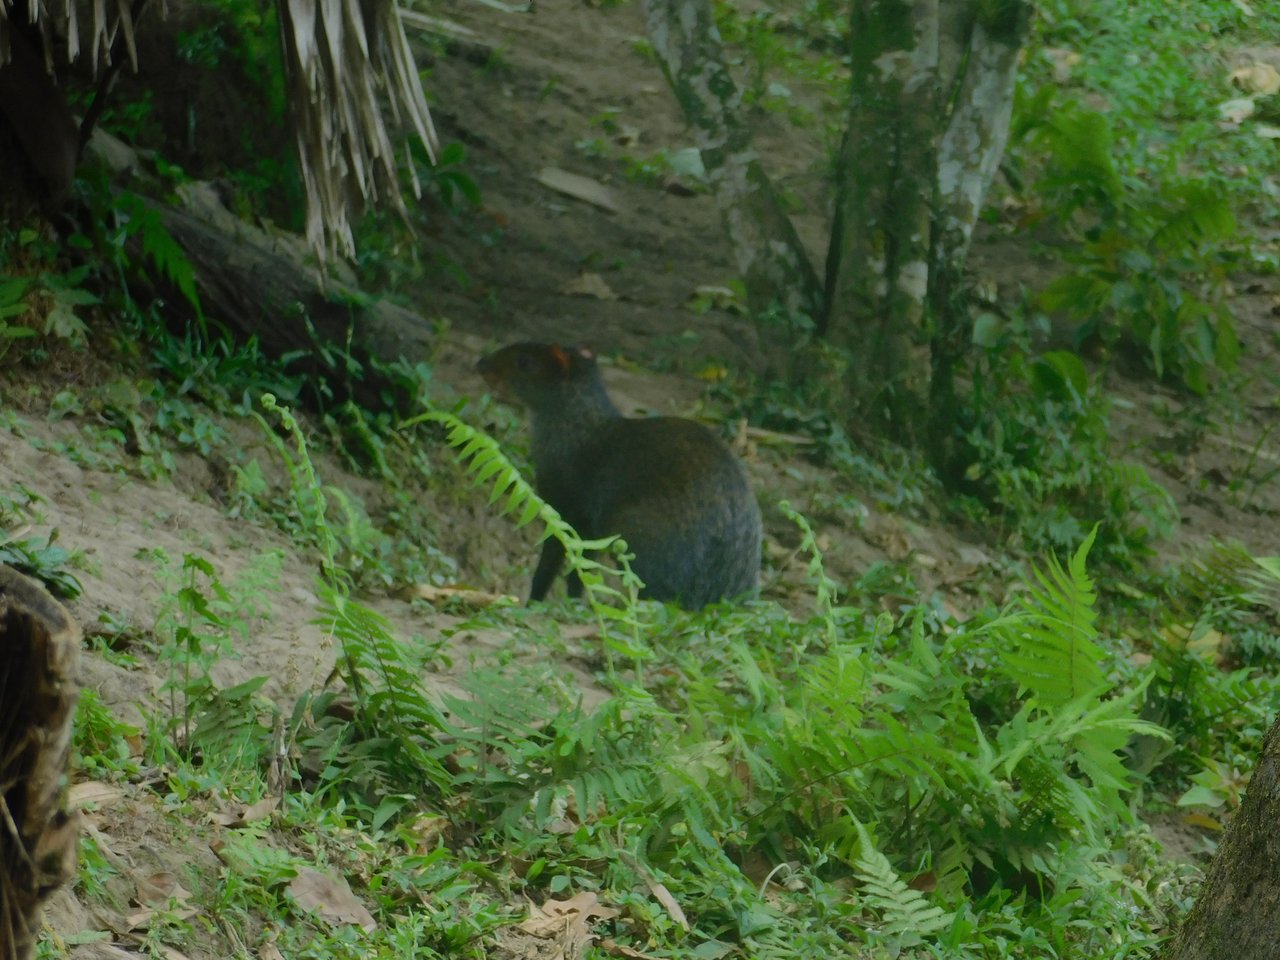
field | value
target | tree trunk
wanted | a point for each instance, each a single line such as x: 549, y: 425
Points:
x: 931, y: 95
x: 35, y: 118
x: 878, y: 263
x: 1237, y: 915
x: 771, y: 260
x: 39, y: 649
x: 983, y: 57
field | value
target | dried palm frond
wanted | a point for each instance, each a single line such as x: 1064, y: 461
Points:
x: 345, y: 61
x: 108, y: 20
x: 342, y: 59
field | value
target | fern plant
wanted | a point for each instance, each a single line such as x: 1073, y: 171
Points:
x: 385, y: 748
x: 1213, y: 681
x: 906, y: 918
x: 1054, y: 654
x: 982, y: 750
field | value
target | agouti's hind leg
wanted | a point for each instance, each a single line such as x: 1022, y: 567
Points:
x: 573, y: 583
x: 549, y: 563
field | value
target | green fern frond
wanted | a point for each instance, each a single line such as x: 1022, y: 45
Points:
x: 158, y: 244
x: 1153, y: 501
x: 1226, y: 574
x: 486, y: 464
x: 1050, y: 648
x: 826, y: 589
x: 904, y: 912
x: 1201, y: 214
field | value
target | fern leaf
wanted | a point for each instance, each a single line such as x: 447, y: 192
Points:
x: 904, y: 912
x: 1050, y: 644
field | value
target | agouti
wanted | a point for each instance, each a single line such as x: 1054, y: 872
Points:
x: 668, y: 486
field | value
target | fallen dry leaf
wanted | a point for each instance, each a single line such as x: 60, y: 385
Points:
x: 102, y: 951
x: 241, y: 814
x: 589, y: 285
x: 440, y: 595
x: 1236, y: 111
x: 157, y: 889
x: 1258, y: 78
x: 426, y: 829
x: 1063, y: 61
x: 664, y: 897
x: 331, y: 898
x: 578, y: 187
x: 141, y: 919
x: 616, y: 949
x: 567, y: 921
x: 93, y: 791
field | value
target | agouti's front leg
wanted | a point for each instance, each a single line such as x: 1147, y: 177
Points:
x: 549, y: 563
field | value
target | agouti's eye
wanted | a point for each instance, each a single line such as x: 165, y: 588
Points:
x: 524, y: 363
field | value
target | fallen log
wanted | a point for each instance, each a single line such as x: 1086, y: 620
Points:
x: 261, y: 285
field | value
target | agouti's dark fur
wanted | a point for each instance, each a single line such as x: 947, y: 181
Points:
x: 668, y: 486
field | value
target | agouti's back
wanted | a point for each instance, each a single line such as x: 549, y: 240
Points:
x: 668, y: 486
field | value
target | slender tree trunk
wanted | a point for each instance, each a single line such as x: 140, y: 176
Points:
x: 982, y: 56
x: 1237, y: 915
x: 770, y: 258
x: 878, y: 266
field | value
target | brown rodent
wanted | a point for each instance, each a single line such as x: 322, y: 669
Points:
x: 668, y: 486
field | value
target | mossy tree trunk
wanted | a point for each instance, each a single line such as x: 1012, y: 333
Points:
x: 1237, y: 914
x: 930, y: 96
x: 931, y: 93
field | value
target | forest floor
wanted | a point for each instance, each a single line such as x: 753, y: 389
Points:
x: 564, y: 87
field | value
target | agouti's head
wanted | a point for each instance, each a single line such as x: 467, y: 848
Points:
x: 536, y: 374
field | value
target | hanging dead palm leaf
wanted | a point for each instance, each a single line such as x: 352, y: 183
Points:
x: 343, y: 60
x: 346, y: 63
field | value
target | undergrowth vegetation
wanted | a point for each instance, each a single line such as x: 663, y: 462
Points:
x: 756, y: 781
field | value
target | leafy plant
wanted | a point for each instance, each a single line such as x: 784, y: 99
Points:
x: 13, y: 303
x: 1216, y: 710
x: 141, y: 219
x: 46, y: 562
x: 1147, y: 271
x: 1042, y: 456
x: 102, y: 742
x: 384, y: 743
x: 197, y: 625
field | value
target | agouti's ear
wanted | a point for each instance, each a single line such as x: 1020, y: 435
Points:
x: 559, y: 357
